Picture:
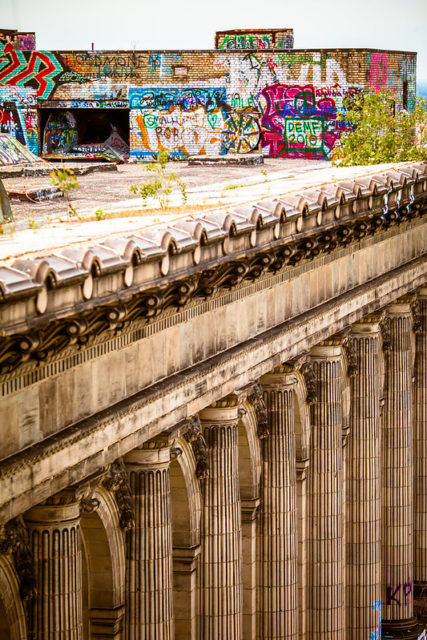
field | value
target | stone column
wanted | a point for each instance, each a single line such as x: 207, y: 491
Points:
x: 221, y: 556
x: 250, y: 510
x: 301, y: 471
x: 397, y: 476
x: 185, y: 563
x: 278, y: 527
x: 325, y: 523
x: 54, y: 532
x: 420, y: 458
x: 363, y: 508
x: 149, y: 581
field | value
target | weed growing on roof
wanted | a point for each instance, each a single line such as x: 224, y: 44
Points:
x: 161, y: 185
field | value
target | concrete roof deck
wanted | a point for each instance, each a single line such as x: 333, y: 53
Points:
x: 285, y: 186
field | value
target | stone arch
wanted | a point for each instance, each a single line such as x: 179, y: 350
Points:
x: 249, y: 453
x: 302, y: 418
x: 12, y: 614
x: 302, y: 449
x: 104, y: 550
x: 185, y: 490
x: 186, y: 508
x: 346, y: 388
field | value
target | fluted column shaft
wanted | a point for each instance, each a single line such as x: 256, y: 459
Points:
x: 397, y: 476
x: 279, y: 544
x: 325, y: 537
x: 221, y: 561
x: 363, y: 592
x: 54, y: 530
x: 420, y: 457
x: 149, y: 581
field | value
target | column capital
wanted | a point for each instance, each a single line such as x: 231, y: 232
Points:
x: 226, y: 410
x: 282, y: 376
x: 369, y: 325
x: 60, y: 508
x: 327, y: 350
x: 155, y: 452
x: 422, y: 293
x: 402, y: 306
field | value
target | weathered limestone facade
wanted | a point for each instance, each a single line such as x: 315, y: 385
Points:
x: 217, y: 430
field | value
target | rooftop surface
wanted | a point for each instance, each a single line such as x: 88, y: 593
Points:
x: 208, y: 194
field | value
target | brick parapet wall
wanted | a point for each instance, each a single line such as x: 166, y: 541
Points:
x: 283, y: 87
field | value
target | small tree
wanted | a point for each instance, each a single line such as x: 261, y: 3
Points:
x: 379, y: 133
x: 65, y: 179
x: 161, y: 185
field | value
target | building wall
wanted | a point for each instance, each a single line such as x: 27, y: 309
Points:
x: 206, y: 102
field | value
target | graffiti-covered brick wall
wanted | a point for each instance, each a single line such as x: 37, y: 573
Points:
x: 255, y: 39
x: 21, y: 40
x: 282, y: 101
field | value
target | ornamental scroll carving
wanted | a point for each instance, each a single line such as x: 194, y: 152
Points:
x: 307, y: 372
x: 118, y: 483
x: 194, y: 436
x: 417, y: 322
x: 385, y: 327
x: 14, y: 541
x: 255, y: 397
x: 350, y: 354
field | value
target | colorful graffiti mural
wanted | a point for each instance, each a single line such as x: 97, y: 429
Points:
x: 246, y: 41
x: 189, y: 122
x: 182, y: 121
x: 18, y: 116
x: 40, y: 69
x: 297, y: 122
x: 252, y: 93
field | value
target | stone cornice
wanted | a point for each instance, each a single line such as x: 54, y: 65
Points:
x: 26, y: 478
x: 303, y: 235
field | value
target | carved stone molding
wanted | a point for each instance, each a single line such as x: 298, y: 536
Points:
x: 42, y: 343
x: 385, y: 327
x: 307, y: 373
x: 117, y: 482
x: 194, y: 435
x: 89, y: 504
x: 255, y: 397
x: 417, y: 323
x: 350, y: 353
x: 14, y: 541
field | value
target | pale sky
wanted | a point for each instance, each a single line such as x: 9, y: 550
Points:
x: 191, y: 24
